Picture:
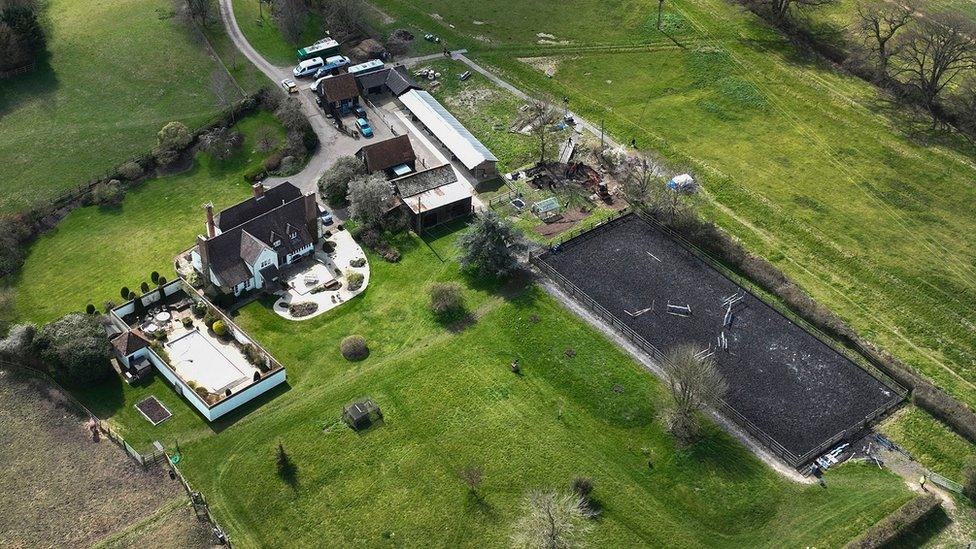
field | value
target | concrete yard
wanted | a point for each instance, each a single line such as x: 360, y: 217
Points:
x: 790, y: 385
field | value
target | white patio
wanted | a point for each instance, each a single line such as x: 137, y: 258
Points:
x: 315, y: 277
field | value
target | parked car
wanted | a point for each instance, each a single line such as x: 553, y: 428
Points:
x: 308, y: 67
x: 289, y: 85
x: 360, y: 111
x: 326, y: 216
x: 364, y: 127
x: 331, y: 64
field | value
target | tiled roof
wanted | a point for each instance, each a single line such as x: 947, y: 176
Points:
x: 386, y: 154
x: 129, y: 342
x: 339, y: 88
x: 416, y: 183
x: 253, y: 207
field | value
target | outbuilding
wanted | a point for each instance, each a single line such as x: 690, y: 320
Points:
x: 451, y: 134
x: 394, y: 157
x: 339, y: 94
x: 433, y: 196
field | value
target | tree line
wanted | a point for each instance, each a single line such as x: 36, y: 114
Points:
x: 926, y: 60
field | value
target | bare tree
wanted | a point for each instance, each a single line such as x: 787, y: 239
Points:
x: 199, y: 11
x: 693, y: 383
x: 878, y: 22
x: 543, y: 114
x: 551, y: 520
x: 472, y: 475
x: 348, y: 17
x: 221, y: 142
x: 637, y: 184
x: 935, y: 50
x: 291, y: 16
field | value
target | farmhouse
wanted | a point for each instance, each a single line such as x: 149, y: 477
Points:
x: 394, y: 157
x: 433, y: 196
x: 247, y: 244
x: 167, y: 330
x: 339, y: 94
x: 393, y: 81
x: 440, y: 123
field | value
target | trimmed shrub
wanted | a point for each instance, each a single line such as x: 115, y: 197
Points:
x: 254, y: 356
x: 897, y: 523
x: 199, y: 309
x: 358, y: 262
x: 220, y: 328
x: 354, y: 347
x: 273, y: 161
x: 154, y: 276
x: 209, y: 318
x: 355, y: 280
x: 108, y: 193
x: 390, y: 254
x: 304, y: 308
x: 446, y: 297
x: 130, y: 171
x: 187, y: 322
x: 90, y: 308
x: 108, y: 306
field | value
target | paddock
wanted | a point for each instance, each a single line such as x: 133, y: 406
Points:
x: 790, y: 389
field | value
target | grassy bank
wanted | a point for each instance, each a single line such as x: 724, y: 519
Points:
x: 117, y: 72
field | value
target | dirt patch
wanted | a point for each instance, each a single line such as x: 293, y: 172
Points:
x: 471, y: 98
x: 546, y: 65
x: 550, y: 39
x: 482, y: 38
x: 436, y: 16
x: 567, y: 220
x: 476, y: 22
x: 60, y: 488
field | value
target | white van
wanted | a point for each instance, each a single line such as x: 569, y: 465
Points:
x: 308, y: 67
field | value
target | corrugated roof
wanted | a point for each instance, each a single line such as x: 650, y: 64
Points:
x: 447, y: 129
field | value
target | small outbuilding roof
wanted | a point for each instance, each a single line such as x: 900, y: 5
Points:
x: 386, y: 154
x: 339, y: 88
x: 422, y: 181
x: 447, y: 129
x: 129, y: 342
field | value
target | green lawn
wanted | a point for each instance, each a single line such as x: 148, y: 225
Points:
x: 809, y: 167
x: 95, y: 251
x: 929, y: 441
x: 449, y: 400
x: 118, y: 71
x: 261, y: 31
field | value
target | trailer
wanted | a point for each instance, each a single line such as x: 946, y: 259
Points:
x: 323, y: 48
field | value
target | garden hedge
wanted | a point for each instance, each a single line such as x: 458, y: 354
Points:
x: 899, y: 522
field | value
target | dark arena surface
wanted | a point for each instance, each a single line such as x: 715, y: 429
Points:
x: 790, y: 385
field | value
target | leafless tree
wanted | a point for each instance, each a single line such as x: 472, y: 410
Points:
x: 782, y: 11
x: 935, y: 50
x: 878, y: 22
x: 472, y: 475
x: 637, y: 183
x: 291, y: 16
x: 199, y: 11
x: 693, y: 383
x: 551, y: 520
x: 963, y: 104
x: 543, y: 114
x: 348, y: 17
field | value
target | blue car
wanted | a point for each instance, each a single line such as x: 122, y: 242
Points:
x: 364, y: 127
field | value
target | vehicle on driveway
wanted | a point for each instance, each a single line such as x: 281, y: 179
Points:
x: 360, y: 111
x: 289, y: 85
x: 331, y: 65
x: 308, y: 68
x: 364, y: 127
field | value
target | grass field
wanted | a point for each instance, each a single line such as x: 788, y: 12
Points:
x: 261, y: 31
x: 95, y: 250
x: 930, y: 442
x: 61, y: 489
x: 809, y: 167
x: 118, y: 71
x: 449, y: 400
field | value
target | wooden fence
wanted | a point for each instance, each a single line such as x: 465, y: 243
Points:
x: 537, y: 259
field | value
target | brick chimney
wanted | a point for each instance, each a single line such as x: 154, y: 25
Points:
x: 211, y: 228
x: 258, y: 190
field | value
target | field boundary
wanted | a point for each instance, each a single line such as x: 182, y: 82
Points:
x: 797, y: 461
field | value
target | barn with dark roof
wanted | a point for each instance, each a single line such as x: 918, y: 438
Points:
x: 394, y: 157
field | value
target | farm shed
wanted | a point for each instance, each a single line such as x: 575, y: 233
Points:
x: 394, y: 157
x: 433, y: 196
x: 463, y: 146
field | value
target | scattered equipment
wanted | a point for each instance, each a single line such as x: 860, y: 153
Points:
x: 730, y: 302
x: 679, y: 310
x: 637, y: 313
x: 464, y: 76
x: 656, y: 258
x: 684, y: 184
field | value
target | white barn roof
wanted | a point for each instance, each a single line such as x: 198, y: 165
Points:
x: 447, y: 129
